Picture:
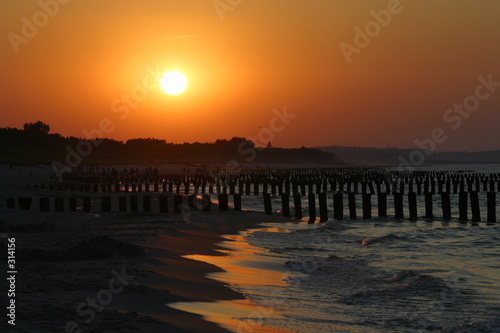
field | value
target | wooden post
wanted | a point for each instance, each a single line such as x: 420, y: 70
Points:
x: 59, y: 205
x: 445, y: 204
x: 72, y: 204
x: 462, y: 205
x: 333, y: 185
x: 178, y: 203
x: 237, y: 202
x: 323, y: 209
x: 285, y: 204
x: 474, y: 202
x: 398, y: 206
x: 311, y: 200
x: 492, y: 214
x: 163, y: 203
x: 122, y: 203
x: 191, y: 199
x: 105, y: 204
x: 24, y: 203
x: 412, y: 203
x: 352, y: 206
x: 207, y: 204
x: 86, y: 205
x: 419, y: 187
x: 117, y: 187
x: 267, y: 204
x: 146, y: 203
x: 134, y: 203
x: 338, y: 206
x: 382, y: 204
x: 372, y: 189
x: 367, y: 206
x: 256, y: 188
x: 428, y: 206
x: 44, y: 204
x: 297, y: 202
x: 11, y: 203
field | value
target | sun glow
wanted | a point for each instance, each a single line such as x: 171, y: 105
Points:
x: 173, y: 83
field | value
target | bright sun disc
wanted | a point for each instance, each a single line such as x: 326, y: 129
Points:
x: 173, y: 83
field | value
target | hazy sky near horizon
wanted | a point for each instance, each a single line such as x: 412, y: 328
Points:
x: 89, y: 60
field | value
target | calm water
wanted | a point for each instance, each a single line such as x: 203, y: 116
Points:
x: 378, y: 275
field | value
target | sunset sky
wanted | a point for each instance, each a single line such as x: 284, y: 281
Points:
x: 243, y: 60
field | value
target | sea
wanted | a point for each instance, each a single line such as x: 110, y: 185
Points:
x: 376, y: 275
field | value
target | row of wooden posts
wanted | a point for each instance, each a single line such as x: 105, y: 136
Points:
x: 178, y: 202
x: 278, y: 188
x: 338, y: 206
x: 125, y: 203
x: 371, y: 180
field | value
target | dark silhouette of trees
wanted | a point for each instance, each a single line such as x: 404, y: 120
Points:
x: 34, y: 144
x: 37, y: 128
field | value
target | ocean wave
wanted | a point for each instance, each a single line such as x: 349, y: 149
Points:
x: 383, y: 239
x: 491, y: 326
x: 403, y: 285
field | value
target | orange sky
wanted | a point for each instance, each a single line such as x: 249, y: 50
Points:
x: 262, y: 55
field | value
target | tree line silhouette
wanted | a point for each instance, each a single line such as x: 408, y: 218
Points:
x: 35, y: 144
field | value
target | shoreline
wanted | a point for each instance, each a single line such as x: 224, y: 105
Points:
x: 63, y: 261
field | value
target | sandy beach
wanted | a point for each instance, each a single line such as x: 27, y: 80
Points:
x: 112, y: 272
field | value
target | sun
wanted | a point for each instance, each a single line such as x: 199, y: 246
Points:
x: 173, y: 83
